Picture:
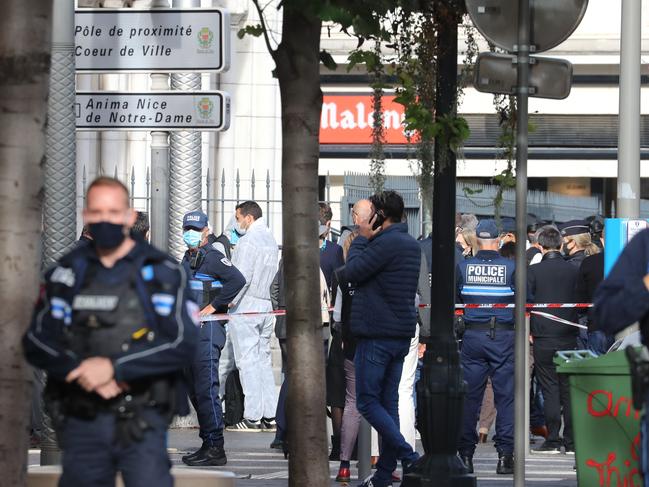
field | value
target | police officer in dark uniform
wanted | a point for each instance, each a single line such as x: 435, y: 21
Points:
x: 214, y: 282
x: 621, y: 300
x: 574, y: 232
x: 488, y: 344
x: 113, y: 329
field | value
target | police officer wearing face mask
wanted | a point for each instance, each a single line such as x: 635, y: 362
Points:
x: 488, y: 344
x: 214, y: 283
x: 576, y: 240
x: 113, y: 329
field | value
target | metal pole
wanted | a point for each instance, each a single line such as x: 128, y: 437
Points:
x: 185, y: 185
x: 364, y: 450
x: 160, y: 189
x: 628, y: 172
x: 522, y: 333
x: 60, y: 205
x: 159, y: 215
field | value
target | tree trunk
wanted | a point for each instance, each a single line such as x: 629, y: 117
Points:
x: 298, y: 69
x: 25, y: 28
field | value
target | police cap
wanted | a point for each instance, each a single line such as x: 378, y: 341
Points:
x: 486, y: 229
x: 195, y: 219
x: 574, y: 227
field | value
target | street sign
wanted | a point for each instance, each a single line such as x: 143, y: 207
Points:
x: 158, y: 110
x: 549, y: 77
x: 552, y: 21
x: 144, y: 40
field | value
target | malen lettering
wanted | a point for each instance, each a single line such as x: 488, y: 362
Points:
x: 357, y: 119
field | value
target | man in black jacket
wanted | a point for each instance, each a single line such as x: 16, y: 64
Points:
x: 553, y: 281
x: 383, y: 262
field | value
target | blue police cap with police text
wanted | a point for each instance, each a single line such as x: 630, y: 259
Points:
x: 487, y: 229
x: 195, y: 219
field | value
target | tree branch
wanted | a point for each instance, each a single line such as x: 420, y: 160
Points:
x: 264, y: 27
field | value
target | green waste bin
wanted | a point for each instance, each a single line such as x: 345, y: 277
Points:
x: 606, y: 426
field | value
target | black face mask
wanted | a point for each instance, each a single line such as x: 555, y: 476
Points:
x: 107, y: 235
x: 565, y: 250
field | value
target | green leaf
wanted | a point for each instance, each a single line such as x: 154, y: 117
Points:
x: 252, y: 30
x: 328, y: 60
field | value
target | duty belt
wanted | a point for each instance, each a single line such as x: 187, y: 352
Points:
x: 492, y: 326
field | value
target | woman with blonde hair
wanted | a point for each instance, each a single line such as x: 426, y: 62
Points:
x: 577, y: 244
x: 468, y: 240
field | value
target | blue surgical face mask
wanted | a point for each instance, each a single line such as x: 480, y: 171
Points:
x: 234, y: 237
x: 192, y: 238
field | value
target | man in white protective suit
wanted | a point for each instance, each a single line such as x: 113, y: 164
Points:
x: 256, y: 256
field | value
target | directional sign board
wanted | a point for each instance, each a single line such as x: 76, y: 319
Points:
x: 143, y: 40
x: 158, y: 110
x: 549, y: 77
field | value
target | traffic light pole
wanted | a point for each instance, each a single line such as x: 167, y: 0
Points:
x: 522, y: 333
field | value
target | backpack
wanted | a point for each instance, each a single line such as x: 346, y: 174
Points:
x: 225, y: 241
x: 233, y: 413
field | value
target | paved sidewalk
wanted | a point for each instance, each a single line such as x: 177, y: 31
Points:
x: 256, y: 465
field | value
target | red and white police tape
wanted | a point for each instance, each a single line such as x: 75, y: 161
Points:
x: 458, y: 307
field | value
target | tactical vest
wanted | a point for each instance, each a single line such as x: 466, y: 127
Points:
x: 204, y: 287
x: 487, y: 278
x: 106, y: 319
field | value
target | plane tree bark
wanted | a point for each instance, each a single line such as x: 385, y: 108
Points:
x: 25, y: 27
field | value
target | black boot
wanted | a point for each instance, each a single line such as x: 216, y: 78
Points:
x: 214, y: 456
x: 505, y: 465
x: 468, y: 462
x: 198, y: 452
x: 334, y: 456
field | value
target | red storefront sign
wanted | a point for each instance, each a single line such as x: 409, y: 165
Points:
x: 347, y: 119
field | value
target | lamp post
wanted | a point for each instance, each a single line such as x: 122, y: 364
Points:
x: 440, y: 391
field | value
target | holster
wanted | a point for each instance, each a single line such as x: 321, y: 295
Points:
x: 459, y: 327
x: 70, y: 400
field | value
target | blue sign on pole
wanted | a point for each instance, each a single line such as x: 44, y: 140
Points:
x: 619, y: 231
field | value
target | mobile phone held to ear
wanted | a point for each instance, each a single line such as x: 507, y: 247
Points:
x: 380, y: 220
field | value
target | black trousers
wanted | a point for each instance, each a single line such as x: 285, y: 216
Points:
x: 556, y: 392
